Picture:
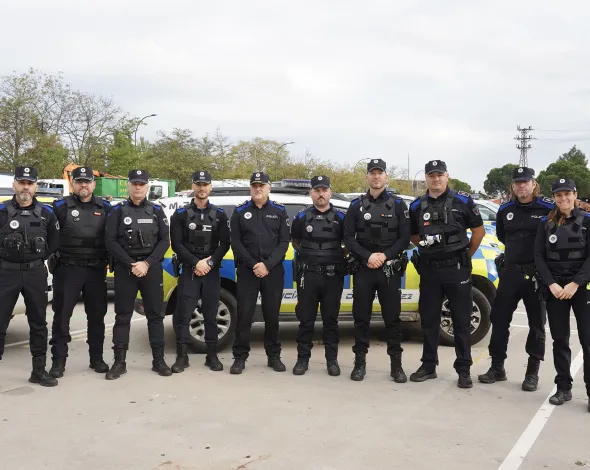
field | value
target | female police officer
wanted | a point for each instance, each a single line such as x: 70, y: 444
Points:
x: 563, y: 261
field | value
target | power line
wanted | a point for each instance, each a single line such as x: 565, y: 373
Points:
x: 563, y: 130
x: 524, y: 144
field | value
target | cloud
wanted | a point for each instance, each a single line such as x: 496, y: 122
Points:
x: 449, y: 80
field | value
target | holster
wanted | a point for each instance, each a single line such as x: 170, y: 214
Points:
x: 466, y: 259
x: 53, y: 262
x: 354, y: 265
x: 499, y: 262
x: 176, y: 265
x: 415, y: 259
x: 400, y: 263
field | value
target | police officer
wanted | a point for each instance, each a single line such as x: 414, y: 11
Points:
x: 320, y: 269
x: 516, y: 227
x: 377, y: 233
x: 199, y: 234
x: 137, y: 238
x: 80, y: 267
x: 259, y: 240
x: 29, y: 233
x: 440, y: 219
x: 563, y: 260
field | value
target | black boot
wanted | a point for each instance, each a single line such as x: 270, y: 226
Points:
x: 58, y: 367
x: 531, y: 377
x: 560, y: 397
x: 423, y: 373
x: 300, y: 367
x: 238, y: 366
x: 360, y: 368
x: 496, y: 373
x: 158, y: 363
x: 397, y: 372
x: 212, y: 361
x: 39, y: 375
x: 181, y: 359
x: 96, y: 361
x: 275, y: 363
x: 333, y: 367
x: 464, y: 380
x: 119, y: 366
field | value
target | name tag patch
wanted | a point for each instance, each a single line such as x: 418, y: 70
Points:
x: 145, y: 221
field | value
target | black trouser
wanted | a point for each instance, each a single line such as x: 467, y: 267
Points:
x: 271, y: 292
x: 513, y: 288
x: 558, y: 312
x: 126, y: 287
x: 367, y: 281
x: 33, y: 285
x: 68, y: 283
x: 318, y: 289
x: 193, y: 288
x: 455, y: 283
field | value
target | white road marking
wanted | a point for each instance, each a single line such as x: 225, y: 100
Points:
x: 527, y: 439
x: 72, y: 333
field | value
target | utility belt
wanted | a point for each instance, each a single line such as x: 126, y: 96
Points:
x: 20, y: 266
x: 527, y: 269
x: 87, y: 263
x: 329, y: 270
x: 460, y: 259
x: 396, y: 265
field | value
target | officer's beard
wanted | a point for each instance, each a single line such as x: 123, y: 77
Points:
x: 321, y: 203
x: 24, y: 198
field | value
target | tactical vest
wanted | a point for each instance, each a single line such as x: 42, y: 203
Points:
x: 203, y: 233
x: 82, y: 234
x: 321, y: 239
x: 138, y: 229
x: 565, y: 246
x: 378, y: 225
x: 436, y: 218
x: 24, y: 236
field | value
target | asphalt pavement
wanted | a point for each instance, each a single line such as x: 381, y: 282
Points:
x: 267, y: 420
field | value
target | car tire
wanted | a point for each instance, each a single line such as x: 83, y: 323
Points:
x: 481, y: 303
x: 226, y: 320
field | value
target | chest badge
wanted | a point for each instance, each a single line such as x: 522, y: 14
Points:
x: 309, y: 229
x: 14, y: 224
x: 75, y: 213
x: 553, y: 238
x: 248, y: 215
x: 192, y: 226
x: 127, y: 221
x: 367, y: 216
x: 509, y: 216
x: 426, y: 216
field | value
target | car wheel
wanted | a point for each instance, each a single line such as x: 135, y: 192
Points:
x: 227, y: 314
x: 480, y: 320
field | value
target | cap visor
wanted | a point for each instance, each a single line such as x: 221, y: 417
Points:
x: 562, y: 188
x: 441, y: 172
x: 135, y: 180
x: 259, y: 182
x: 202, y: 181
x: 522, y: 178
x: 26, y: 178
x: 83, y: 178
x: 321, y: 185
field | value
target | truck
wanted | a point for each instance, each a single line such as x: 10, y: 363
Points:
x: 111, y: 186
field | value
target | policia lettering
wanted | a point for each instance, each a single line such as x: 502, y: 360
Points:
x: 80, y: 267
x: 199, y: 233
x: 28, y: 235
x: 516, y: 227
x: 377, y: 225
x: 439, y: 225
x: 137, y: 233
x: 320, y: 267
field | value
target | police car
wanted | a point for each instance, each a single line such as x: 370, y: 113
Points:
x: 485, y: 278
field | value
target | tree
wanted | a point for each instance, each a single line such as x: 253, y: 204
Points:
x: 459, y: 185
x: 498, y: 180
x: 49, y: 156
x: 572, y: 164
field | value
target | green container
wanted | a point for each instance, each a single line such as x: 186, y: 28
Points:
x: 115, y: 187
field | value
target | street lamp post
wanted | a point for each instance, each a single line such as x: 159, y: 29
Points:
x: 137, y: 127
x: 414, y: 181
x: 277, y: 157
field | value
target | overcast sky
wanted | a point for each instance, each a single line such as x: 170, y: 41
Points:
x: 446, y: 79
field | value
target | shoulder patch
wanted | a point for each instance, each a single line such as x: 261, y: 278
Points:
x: 506, y: 204
x: 339, y: 213
x: 544, y: 218
x: 2, y: 206
x: 355, y: 201
x: 48, y: 207
x: 106, y: 203
x: 545, y: 201
x: 157, y: 207
x: 180, y: 210
x: 219, y: 209
x: 586, y: 214
x: 117, y: 207
x: 277, y: 205
x: 59, y: 202
x: 244, y: 205
x: 414, y: 204
x: 300, y: 214
x: 462, y: 196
